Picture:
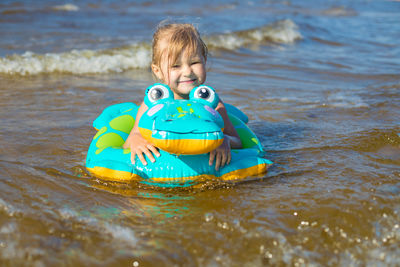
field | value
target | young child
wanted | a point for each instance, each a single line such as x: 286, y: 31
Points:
x: 179, y: 60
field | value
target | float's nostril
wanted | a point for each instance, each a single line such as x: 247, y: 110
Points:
x: 211, y: 110
x: 155, y: 109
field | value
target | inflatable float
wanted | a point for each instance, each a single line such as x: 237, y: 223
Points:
x: 184, y: 131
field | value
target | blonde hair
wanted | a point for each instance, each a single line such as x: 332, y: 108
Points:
x: 179, y: 37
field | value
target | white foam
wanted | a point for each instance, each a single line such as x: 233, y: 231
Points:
x: 284, y: 31
x: 117, y: 232
x: 66, y: 7
x: 77, y: 61
x: 13, y: 253
x: 121, y: 233
x: 8, y: 208
x: 345, y: 100
x: 8, y: 228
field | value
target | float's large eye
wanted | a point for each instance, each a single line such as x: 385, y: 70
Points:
x: 157, y: 92
x: 205, y: 94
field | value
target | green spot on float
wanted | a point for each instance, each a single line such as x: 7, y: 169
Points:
x: 100, y: 132
x: 123, y: 123
x: 110, y: 139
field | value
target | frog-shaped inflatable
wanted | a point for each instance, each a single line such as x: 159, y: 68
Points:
x: 185, y: 131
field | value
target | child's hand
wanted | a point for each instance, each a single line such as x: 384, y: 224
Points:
x: 139, y: 145
x: 221, y: 154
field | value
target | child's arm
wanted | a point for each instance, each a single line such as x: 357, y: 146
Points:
x: 137, y: 143
x: 229, y: 129
x: 222, y: 154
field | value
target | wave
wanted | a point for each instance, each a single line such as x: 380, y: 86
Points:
x: 66, y: 7
x: 283, y: 31
x: 78, y: 61
x: 21, y: 9
x: 136, y: 55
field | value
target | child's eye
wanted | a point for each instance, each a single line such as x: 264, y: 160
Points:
x: 175, y: 66
x: 195, y: 62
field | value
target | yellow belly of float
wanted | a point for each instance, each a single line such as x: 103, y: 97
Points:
x: 182, y: 146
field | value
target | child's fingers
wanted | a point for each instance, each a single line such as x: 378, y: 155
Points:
x: 141, y: 158
x: 149, y: 154
x: 154, y: 150
x: 224, y: 158
x: 228, y: 156
x: 218, y: 160
x: 212, y: 157
x: 133, y: 157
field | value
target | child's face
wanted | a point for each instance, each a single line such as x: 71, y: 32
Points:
x: 182, y: 76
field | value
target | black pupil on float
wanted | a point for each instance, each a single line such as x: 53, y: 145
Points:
x: 156, y: 94
x: 203, y: 93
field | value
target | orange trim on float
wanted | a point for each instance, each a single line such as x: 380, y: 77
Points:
x: 257, y: 170
x: 120, y: 176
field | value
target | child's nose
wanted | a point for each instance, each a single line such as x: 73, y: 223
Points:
x: 187, y: 70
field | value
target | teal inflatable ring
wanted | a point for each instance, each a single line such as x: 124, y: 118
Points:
x: 185, y: 131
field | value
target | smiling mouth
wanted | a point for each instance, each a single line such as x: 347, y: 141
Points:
x: 188, y: 81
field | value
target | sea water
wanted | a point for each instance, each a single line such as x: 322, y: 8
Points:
x: 319, y: 80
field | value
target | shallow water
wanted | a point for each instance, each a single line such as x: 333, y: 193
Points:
x: 318, y: 79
